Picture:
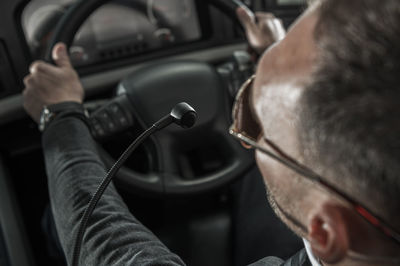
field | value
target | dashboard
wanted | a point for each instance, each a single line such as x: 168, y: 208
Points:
x: 119, y: 29
x: 118, y: 37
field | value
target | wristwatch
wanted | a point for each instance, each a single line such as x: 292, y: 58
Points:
x: 51, y: 112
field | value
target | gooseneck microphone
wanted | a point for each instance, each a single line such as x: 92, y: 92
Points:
x: 182, y: 114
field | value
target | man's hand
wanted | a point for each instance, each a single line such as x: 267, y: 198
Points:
x: 48, y: 84
x: 262, y: 29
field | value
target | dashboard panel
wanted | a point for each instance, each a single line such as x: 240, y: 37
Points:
x: 119, y: 29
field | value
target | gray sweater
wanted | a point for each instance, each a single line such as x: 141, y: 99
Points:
x: 114, y: 236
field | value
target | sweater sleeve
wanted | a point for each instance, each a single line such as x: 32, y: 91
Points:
x: 113, y: 236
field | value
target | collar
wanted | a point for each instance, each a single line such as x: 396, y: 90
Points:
x: 314, y: 261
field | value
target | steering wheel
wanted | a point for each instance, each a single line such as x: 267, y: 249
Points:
x: 151, y: 93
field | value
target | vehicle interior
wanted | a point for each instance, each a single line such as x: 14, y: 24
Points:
x: 197, y: 189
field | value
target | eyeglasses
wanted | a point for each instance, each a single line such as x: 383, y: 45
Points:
x: 247, y: 130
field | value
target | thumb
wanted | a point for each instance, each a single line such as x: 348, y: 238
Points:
x: 246, y: 17
x: 60, y: 55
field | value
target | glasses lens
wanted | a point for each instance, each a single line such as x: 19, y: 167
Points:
x: 243, y: 119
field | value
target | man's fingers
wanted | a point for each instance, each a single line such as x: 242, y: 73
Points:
x: 28, y: 81
x: 38, y: 83
x: 40, y: 67
x: 60, y: 55
x: 280, y: 29
x: 275, y: 26
x: 246, y: 17
x: 31, y: 104
x: 264, y: 15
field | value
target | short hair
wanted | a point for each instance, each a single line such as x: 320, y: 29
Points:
x: 350, y: 112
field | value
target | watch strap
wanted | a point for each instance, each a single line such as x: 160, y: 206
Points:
x: 62, y: 110
x: 66, y: 106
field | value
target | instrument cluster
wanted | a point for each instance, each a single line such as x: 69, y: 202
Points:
x: 119, y: 29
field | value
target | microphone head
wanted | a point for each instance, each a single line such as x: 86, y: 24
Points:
x: 184, y: 115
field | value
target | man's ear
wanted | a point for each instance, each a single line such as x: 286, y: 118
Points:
x: 328, y: 232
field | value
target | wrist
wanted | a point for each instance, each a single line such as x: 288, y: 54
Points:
x: 57, y: 111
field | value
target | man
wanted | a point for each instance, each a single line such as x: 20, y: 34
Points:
x: 324, y: 97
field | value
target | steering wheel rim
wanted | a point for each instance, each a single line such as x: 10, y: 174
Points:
x: 168, y: 181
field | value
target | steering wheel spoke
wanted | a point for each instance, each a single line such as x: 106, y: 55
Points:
x: 167, y: 154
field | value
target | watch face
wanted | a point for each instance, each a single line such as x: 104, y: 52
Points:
x: 45, y: 117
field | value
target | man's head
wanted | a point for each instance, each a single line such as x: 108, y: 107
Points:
x: 326, y: 95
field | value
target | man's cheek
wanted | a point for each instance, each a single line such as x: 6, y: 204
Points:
x: 268, y: 170
x: 276, y: 176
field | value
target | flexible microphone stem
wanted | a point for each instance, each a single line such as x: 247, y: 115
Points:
x: 100, y: 190
x: 106, y: 181
x: 182, y: 114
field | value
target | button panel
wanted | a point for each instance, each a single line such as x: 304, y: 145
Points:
x: 112, y: 118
